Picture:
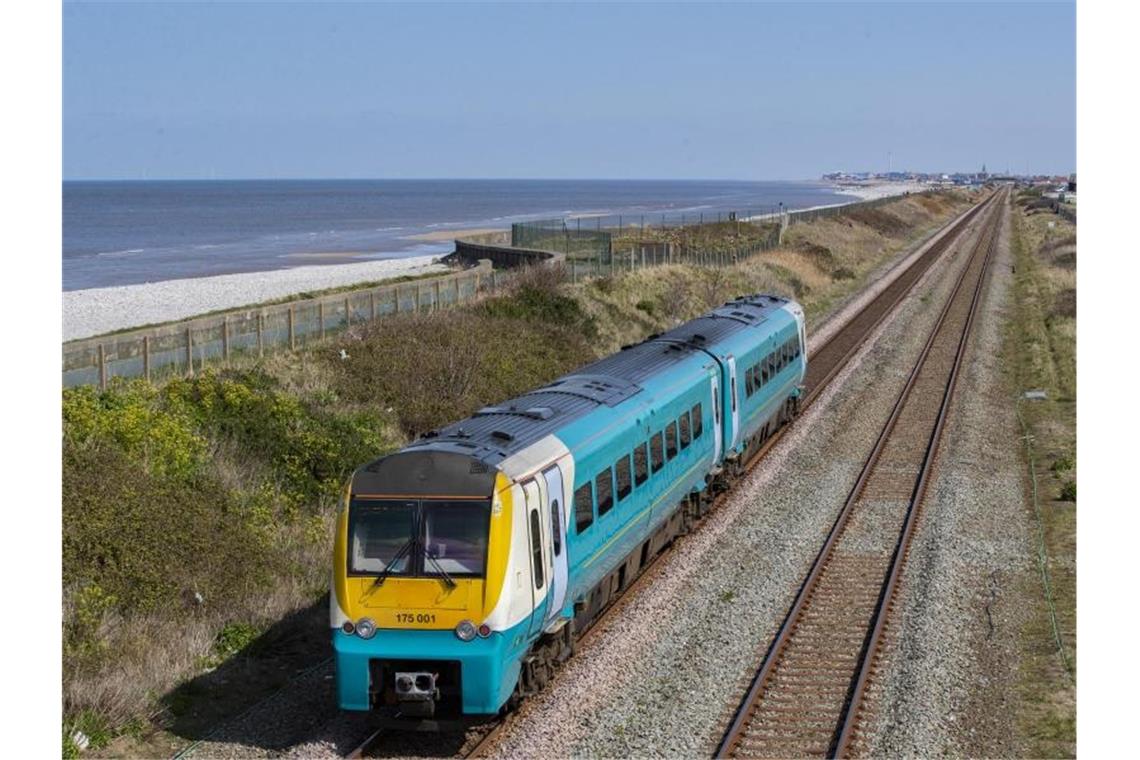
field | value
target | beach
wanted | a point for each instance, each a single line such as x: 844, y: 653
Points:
x: 100, y: 310
x: 874, y: 191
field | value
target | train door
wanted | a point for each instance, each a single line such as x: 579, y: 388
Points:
x: 538, y: 543
x: 733, y: 410
x: 556, y: 508
x: 718, y: 432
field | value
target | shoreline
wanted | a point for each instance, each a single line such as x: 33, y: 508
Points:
x: 96, y: 311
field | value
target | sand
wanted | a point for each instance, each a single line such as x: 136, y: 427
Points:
x: 445, y: 235
x: 99, y: 310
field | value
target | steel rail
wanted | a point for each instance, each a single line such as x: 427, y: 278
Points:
x: 761, y: 679
x: 854, y: 706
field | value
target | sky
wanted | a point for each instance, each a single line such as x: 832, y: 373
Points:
x: 763, y: 91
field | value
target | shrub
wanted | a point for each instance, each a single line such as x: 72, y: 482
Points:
x: 309, y: 447
x: 129, y: 416
x: 134, y: 541
x: 842, y: 273
x: 436, y: 368
x: 1068, y: 491
x: 647, y: 306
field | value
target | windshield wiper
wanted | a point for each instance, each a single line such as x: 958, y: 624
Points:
x: 439, y: 568
x: 388, y: 568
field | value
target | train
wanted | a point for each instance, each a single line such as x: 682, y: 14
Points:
x: 467, y: 564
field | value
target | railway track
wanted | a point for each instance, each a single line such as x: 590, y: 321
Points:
x: 825, y: 361
x: 807, y: 697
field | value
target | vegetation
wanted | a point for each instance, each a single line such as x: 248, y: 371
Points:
x: 197, y: 512
x: 1041, y: 344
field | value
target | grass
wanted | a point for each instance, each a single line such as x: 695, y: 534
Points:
x: 198, y: 511
x: 1041, y: 354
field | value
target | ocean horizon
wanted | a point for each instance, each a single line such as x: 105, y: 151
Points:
x: 123, y: 232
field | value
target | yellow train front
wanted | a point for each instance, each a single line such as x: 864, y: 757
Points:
x: 423, y: 621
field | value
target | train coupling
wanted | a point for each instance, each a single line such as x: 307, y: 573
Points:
x: 416, y: 693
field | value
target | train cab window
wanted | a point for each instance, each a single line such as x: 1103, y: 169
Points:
x: 685, y: 432
x: 641, y: 463
x: 536, y: 548
x: 657, y: 451
x: 733, y: 394
x: 796, y: 346
x: 624, y: 477
x: 584, y: 507
x: 604, y: 485
x: 671, y: 440
x: 698, y: 423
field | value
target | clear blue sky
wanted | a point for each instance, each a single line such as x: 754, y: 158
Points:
x: 627, y: 91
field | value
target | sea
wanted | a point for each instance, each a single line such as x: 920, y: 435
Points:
x: 128, y: 232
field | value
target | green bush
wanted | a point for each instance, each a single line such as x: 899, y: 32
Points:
x: 1069, y: 491
x: 432, y: 369
x: 541, y: 304
x: 310, y: 447
x: 131, y: 417
x: 135, y: 541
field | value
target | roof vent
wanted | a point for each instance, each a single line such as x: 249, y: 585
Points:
x: 502, y: 435
x: 539, y: 412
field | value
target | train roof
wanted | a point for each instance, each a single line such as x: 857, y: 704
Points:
x: 495, y: 432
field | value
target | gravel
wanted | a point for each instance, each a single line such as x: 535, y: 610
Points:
x: 667, y: 674
x: 99, y: 310
x: 950, y: 664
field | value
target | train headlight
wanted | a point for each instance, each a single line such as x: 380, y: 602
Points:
x: 365, y: 628
x: 465, y: 630
x: 348, y: 627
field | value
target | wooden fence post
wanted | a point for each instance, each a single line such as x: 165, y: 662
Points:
x: 189, y: 351
x: 437, y: 304
x: 397, y: 299
x: 260, y: 342
x: 146, y: 357
x: 372, y: 303
x: 321, y: 317
x: 226, y: 338
x: 347, y: 312
x: 102, y: 367
x: 292, y: 334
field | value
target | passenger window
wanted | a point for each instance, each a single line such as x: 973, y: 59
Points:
x: 655, y: 449
x: 764, y: 371
x: 536, y: 548
x: 624, y: 482
x: 604, y: 484
x: 671, y: 440
x: 641, y: 463
x: 698, y: 423
x: 583, y: 507
x: 748, y: 382
x: 685, y: 430
x: 556, y: 527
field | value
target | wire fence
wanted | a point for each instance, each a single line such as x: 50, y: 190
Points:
x: 561, y: 236
x: 182, y: 347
